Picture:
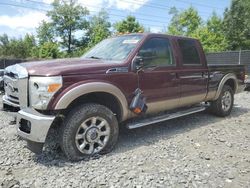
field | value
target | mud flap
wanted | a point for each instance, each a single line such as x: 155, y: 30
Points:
x: 35, y: 147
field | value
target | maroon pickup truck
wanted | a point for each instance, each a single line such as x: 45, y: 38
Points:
x: 134, y: 79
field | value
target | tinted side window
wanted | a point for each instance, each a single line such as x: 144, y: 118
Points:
x: 157, y: 52
x: 189, y: 52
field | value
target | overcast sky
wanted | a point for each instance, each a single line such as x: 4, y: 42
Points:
x: 18, y: 17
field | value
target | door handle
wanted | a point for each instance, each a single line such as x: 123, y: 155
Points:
x: 175, y: 74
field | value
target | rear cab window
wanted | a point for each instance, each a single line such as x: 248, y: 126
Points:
x: 190, y: 54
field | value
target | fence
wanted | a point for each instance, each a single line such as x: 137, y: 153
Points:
x: 231, y: 57
x: 7, y: 62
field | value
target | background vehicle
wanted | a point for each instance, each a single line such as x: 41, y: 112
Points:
x: 1, y: 79
x: 91, y: 95
x: 247, y: 82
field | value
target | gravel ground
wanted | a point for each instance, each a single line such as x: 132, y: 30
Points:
x: 199, y: 150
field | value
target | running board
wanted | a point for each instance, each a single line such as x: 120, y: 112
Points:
x: 157, y: 119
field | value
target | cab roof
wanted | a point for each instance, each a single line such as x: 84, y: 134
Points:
x: 157, y: 35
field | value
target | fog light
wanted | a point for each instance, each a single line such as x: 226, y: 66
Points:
x: 25, y: 126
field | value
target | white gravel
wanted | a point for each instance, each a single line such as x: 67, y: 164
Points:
x: 199, y: 150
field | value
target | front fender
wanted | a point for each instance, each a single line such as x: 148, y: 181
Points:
x: 66, y: 99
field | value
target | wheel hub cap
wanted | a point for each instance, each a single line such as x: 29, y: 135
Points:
x: 226, y: 101
x: 92, y: 134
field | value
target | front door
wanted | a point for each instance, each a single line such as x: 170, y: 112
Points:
x: 158, y: 79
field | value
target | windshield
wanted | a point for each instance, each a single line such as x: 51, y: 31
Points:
x: 116, y: 48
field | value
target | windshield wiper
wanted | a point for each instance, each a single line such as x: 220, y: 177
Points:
x: 94, y: 57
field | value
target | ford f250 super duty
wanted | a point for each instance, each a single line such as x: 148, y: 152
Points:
x: 133, y: 80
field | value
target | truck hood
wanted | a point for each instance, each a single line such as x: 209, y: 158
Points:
x: 72, y: 66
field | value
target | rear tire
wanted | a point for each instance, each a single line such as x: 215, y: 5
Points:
x: 222, y: 107
x: 87, y: 130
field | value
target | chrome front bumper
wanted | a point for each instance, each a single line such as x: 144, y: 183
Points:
x: 33, y: 126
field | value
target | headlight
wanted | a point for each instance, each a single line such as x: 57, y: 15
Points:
x: 42, y: 89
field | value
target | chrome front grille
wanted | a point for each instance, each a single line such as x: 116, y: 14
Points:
x: 13, y: 99
x: 11, y: 91
x: 16, y: 87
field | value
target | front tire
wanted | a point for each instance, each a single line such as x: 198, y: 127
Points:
x: 87, y: 130
x: 222, y: 107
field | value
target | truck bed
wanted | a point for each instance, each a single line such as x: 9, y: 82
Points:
x: 218, y: 71
x: 226, y: 68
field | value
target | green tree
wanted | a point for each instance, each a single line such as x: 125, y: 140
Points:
x: 68, y: 17
x: 237, y: 25
x: 174, y: 27
x: 211, y: 35
x: 28, y: 43
x: 184, y: 23
x: 215, y: 23
x: 211, y: 42
x: 49, y: 50
x: 17, y: 48
x: 129, y: 25
x: 99, y: 28
x: 45, y: 32
x: 189, y: 23
x: 4, y: 43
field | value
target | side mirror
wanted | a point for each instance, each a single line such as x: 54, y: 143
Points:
x: 138, y: 62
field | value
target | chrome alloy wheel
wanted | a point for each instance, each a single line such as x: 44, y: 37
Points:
x: 226, y: 101
x: 92, y: 135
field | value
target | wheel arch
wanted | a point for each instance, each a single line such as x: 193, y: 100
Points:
x: 96, y: 92
x: 230, y: 80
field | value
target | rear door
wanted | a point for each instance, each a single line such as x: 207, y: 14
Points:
x: 193, y: 72
x: 158, y: 79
